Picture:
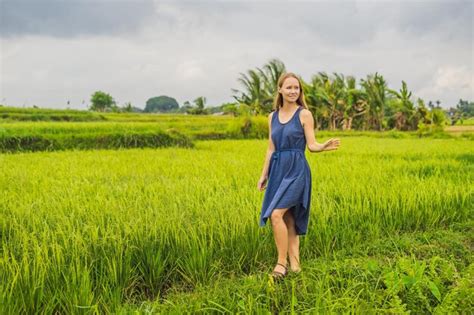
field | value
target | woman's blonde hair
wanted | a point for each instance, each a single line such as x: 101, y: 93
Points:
x: 278, y: 100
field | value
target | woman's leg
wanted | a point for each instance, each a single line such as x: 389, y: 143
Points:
x: 280, y: 233
x: 293, y: 241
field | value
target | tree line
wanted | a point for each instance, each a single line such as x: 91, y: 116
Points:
x: 341, y: 102
x: 104, y: 102
x: 337, y: 102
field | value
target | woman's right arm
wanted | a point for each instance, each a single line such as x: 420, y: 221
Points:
x: 270, y: 149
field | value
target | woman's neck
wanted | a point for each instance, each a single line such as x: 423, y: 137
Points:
x: 289, y: 105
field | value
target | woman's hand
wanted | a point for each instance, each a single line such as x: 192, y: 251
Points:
x: 331, y: 144
x: 262, y: 182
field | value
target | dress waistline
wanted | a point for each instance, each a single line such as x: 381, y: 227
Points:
x: 276, y: 154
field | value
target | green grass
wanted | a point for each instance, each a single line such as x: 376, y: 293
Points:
x: 91, y: 140
x: 111, y: 231
x: 421, y: 272
x: 466, y: 122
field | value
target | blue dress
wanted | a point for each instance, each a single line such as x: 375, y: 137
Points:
x: 289, y: 178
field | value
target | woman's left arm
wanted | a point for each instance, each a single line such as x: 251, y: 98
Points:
x: 311, y: 143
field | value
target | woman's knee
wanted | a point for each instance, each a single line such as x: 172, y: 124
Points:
x: 277, y: 214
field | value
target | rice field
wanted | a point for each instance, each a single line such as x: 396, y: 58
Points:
x: 175, y: 230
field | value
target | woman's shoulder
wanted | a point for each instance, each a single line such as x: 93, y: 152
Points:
x: 305, y: 112
x: 305, y: 115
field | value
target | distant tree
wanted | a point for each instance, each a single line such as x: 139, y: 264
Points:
x: 430, y: 105
x: 404, y: 117
x: 200, y: 102
x: 254, y: 94
x: 161, y: 103
x: 331, y: 93
x: 314, y: 99
x: 230, y: 108
x: 463, y: 110
x: 101, y: 101
x: 354, y: 103
x: 127, y: 108
x: 260, y: 86
x: 375, y: 87
x: 422, y: 113
x: 199, y: 109
x: 114, y: 109
x: 244, y: 110
x: 438, y: 117
x: 466, y: 108
x: 186, y: 107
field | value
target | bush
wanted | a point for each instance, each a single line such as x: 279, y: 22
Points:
x: 435, y: 131
x: 248, y: 127
x: 83, y: 141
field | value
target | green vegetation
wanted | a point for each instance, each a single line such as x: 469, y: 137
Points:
x: 159, y: 131
x: 337, y: 102
x: 101, y: 101
x: 172, y: 227
x: 12, y: 114
x: 138, y: 130
x: 176, y: 230
x: 341, y: 102
x: 466, y: 122
x: 420, y: 272
x: 161, y: 104
x: 90, y: 140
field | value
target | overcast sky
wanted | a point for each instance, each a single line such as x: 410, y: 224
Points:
x: 53, y: 51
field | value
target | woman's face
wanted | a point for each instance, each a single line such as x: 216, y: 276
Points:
x: 290, y: 90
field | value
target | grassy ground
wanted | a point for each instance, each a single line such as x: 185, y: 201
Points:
x: 176, y: 229
x: 417, y: 272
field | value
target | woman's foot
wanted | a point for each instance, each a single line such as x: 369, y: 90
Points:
x: 295, y: 265
x: 280, y: 271
x: 296, y: 270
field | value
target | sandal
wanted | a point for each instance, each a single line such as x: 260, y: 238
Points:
x: 279, y: 275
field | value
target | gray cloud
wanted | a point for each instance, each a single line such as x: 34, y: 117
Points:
x: 59, y: 18
x: 421, y: 17
x: 342, y: 22
x: 191, y: 49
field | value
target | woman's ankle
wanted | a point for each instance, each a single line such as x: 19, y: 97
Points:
x: 294, y: 261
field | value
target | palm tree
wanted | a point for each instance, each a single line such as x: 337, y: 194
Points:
x: 331, y: 93
x: 355, y: 103
x: 315, y: 104
x: 405, y: 116
x: 260, y: 86
x: 375, y: 88
x: 254, y: 94
x: 200, y: 102
x: 270, y: 74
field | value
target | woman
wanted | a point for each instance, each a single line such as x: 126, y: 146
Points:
x: 291, y: 129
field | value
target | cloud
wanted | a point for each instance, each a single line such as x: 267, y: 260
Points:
x: 189, y: 70
x: 455, y: 81
x: 448, y: 18
x: 453, y: 78
x: 66, y: 19
x: 191, y: 49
